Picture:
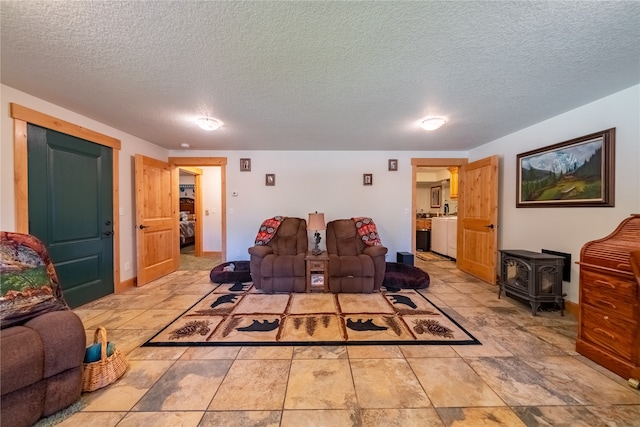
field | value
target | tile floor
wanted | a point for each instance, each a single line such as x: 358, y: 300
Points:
x: 525, y: 373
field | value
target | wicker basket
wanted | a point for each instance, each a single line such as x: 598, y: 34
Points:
x: 106, y: 370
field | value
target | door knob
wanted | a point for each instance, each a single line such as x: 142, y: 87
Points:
x: 108, y: 233
x: 142, y: 227
x: 491, y: 226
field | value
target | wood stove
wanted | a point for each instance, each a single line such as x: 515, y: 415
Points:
x: 533, y: 276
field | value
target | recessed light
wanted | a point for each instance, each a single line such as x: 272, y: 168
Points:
x: 185, y: 145
x: 207, y: 123
x: 432, y: 123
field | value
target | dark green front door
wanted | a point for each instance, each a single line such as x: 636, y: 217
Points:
x: 71, y: 210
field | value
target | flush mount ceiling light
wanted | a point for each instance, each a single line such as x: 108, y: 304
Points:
x: 185, y: 145
x: 432, y: 123
x: 207, y: 123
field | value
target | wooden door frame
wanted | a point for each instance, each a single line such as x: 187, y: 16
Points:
x: 210, y: 161
x: 417, y: 162
x: 23, y: 115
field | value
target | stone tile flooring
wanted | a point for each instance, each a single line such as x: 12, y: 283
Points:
x: 525, y: 373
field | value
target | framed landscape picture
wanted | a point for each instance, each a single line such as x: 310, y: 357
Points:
x: 575, y: 173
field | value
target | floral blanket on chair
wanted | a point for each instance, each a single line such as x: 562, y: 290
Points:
x: 367, y: 231
x: 268, y: 230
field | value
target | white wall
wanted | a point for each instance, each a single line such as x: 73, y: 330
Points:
x: 325, y: 181
x: 212, y: 202
x: 568, y: 229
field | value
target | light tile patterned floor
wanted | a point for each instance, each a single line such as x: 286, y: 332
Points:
x: 525, y: 373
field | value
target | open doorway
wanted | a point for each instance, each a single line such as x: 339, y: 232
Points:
x: 435, y: 207
x: 188, y: 218
x: 202, y: 179
x: 436, y: 212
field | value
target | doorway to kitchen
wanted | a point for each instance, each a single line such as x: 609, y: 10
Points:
x: 435, y: 208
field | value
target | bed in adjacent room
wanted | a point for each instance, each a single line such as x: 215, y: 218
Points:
x: 187, y: 221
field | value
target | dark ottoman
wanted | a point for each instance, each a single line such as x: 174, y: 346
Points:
x: 240, y: 274
x: 403, y: 276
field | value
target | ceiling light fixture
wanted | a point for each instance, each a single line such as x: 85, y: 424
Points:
x: 432, y: 123
x: 207, y: 123
x: 185, y: 145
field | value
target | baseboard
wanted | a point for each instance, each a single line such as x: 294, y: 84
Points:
x: 211, y: 254
x: 125, y: 284
x: 572, y: 308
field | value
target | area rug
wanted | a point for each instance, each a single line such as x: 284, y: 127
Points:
x: 431, y: 256
x: 239, y: 315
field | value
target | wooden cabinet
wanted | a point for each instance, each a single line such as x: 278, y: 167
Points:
x: 453, y: 189
x: 317, y: 272
x: 423, y: 224
x: 609, y: 329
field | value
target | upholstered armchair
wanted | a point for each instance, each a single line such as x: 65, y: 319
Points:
x: 278, y: 265
x: 42, y: 342
x: 354, y: 266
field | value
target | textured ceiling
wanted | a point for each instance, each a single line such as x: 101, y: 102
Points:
x: 320, y: 75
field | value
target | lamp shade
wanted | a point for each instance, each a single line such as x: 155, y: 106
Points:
x: 316, y: 221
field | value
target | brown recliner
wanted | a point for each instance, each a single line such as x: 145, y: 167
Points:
x: 42, y: 342
x: 354, y: 267
x: 279, y: 266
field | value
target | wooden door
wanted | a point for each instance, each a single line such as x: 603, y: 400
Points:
x: 71, y: 210
x: 478, y: 219
x: 157, y: 233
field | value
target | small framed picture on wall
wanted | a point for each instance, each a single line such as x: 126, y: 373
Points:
x: 270, y: 179
x: 245, y: 165
x: 367, y: 179
x: 393, y: 164
x: 436, y: 196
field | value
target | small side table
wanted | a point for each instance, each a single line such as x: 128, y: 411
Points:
x: 317, y: 272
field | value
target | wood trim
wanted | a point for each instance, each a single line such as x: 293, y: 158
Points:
x: 115, y: 171
x: 37, y: 118
x: 199, y: 213
x: 572, y: 308
x: 444, y: 162
x: 23, y: 115
x: 21, y: 175
x: 198, y: 161
x: 128, y: 284
x: 193, y: 170
x: 211, y: 161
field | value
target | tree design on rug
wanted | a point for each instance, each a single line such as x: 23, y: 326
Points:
x: 393, y: 324
x: 191, y: 328
x: 432, y: 327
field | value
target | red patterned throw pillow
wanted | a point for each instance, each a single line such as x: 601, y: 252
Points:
x: 367, y: 231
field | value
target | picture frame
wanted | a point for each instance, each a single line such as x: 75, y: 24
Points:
x: 393, y: 165
x: 367, y: 179
x: 436, y: 196
x: 270, y: 180
x: 245, y: 165
x: 576, y: 173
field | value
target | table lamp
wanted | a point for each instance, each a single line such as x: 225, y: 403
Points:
x: 316, y: 223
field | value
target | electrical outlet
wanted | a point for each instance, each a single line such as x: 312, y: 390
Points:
x: 127, y: 266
